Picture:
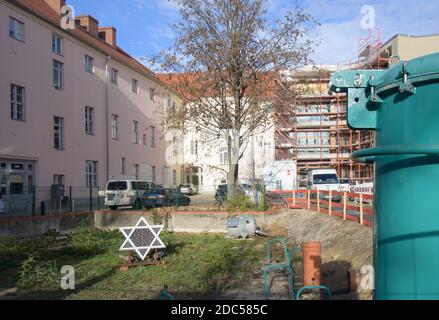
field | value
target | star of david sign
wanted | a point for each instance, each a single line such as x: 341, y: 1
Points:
x: 142, y: 238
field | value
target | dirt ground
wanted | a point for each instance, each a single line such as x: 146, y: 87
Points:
x: 345, y: 246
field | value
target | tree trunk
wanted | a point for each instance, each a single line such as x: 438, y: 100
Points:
x: 232, y: 175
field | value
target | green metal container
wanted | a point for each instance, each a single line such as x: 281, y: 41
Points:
x: 402, y: 105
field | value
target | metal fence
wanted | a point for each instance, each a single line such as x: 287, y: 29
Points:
x: 357, y: 207
x: 43, y: 201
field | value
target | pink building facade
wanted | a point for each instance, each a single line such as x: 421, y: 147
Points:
x: 75, y: 109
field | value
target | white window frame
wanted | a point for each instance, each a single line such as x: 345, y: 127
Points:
x: 152, y: 94
x: 153, y: 174
x: 224, y: 156
x: 58, y: 129
x: 135, y: 132
x: 194, y: 147
x: 59, y: 179
x: 152, y: 135
x: 114, y: 76
x: 88, y: 64
x: 91, y: 173
x: 58, y: 74
x: 135, y: 86
x: 136, y: 171
x: 16, y: 105
x: 89, y: 121
x: 114, y: 127
x: 57, y: 44
x: 15, y: 32
x: 123, y: 166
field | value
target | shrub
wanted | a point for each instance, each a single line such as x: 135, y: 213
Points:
x: 35, y: 273
x: 241, y: 203
x: 91, y: 241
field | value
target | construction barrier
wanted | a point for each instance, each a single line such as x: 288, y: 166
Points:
x: 356, y: 207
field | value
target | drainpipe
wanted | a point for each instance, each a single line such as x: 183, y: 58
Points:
x: 107, y: 127
x: 107, y: 113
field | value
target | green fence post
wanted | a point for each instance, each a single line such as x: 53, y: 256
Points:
x: 264, y: 200
x: 70, y: 199
x: 33, y: 200
x: 177, y: 203
x: 91, y: 199
x: 257, y: 198
x: 97, y: 197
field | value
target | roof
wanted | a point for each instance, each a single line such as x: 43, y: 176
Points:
x: 43, y: 11
x: 198, y: 85
x: 409, y: 36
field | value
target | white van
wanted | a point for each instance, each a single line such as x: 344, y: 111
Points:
x: 324, y: 180
x: 120, y: 193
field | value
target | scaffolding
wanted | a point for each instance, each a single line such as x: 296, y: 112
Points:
x: 315, y: 132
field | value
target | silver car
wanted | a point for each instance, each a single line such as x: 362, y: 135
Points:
x: 188, y: 189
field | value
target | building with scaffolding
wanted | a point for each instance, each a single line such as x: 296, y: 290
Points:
x: 315, y: 133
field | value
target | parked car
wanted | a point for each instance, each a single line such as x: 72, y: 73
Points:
x: 120, y: 193
x: 324, y: 180
x: 345, y: 185
x: 162, y: 197
x: 188, y: 189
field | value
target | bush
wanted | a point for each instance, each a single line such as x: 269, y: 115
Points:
x: 91, y: 241
x: 35, y: 273
x: 241, y: 203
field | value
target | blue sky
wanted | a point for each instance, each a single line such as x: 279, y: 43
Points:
x: 144, y: 26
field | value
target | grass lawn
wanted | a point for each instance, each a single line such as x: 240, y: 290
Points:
x: 197, y: 266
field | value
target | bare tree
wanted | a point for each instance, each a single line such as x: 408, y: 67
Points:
x: 227, y: 61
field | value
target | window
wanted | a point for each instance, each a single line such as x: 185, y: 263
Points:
x: 136, y: 171
x: 135, y: 86
x: 58, y: 74
x: 89, y: 64
x: 16, y: 29
x: 57, y: 44
x: 145, y: 140
x: 89, y: 120
x: 123, y: 164
x: 115, y: 127
x: 59, y: 179
x: 58, y: 133
x: 194, y: 147
x: 152, y: 129
x: 114, y: 76
x: 17, y: 103
x: 152, y: 94
x: 135, y: 132
x: 153, y: 171
x: 16, y: 184
x: 267, y: 148
x: 224, y: 156
x: 91, y: 173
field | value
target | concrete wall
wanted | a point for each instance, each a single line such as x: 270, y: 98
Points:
x: 110, y: 220
x: 34, y: 226
x: 179, y: 222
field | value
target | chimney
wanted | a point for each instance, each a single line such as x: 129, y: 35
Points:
x: 108, y: 34
x: 89, y: 23
x: 56, y: 5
